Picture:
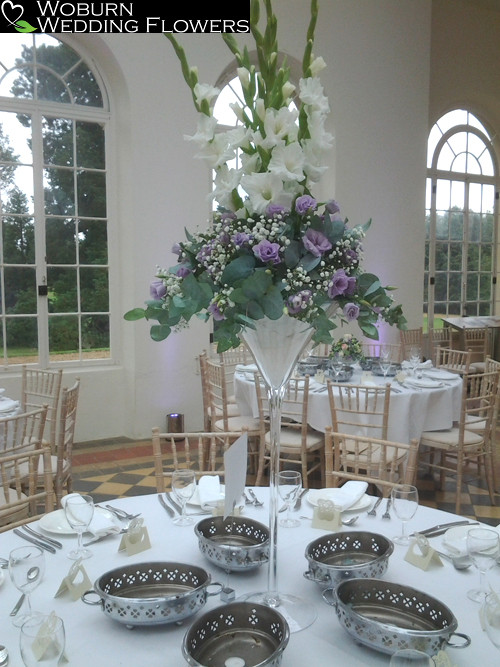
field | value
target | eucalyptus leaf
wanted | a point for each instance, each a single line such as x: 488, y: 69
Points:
x: 135, y: 314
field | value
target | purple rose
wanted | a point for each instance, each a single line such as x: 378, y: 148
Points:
x: 157, y: 290
x: 214, y: 310
x: 275, y: 209
x: 351, y: 311
x: 338, y: 284
x: 332, y: 206
x: 267, y: 251
x: 182, y: 271
x: 294, y: 303
x: 305, y: 203
x: 316, y: 242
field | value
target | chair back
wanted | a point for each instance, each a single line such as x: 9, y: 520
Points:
x: 454, y: 361
x: 22, y: 432
x: 202, y: 359
x: 65, y: 439
x: 26, y: 490
x: 217, y: 393
x: 479, y: 400
x: 438, y: 338
x: 373, y: 460
x: 42, y: 387
x: 411, y: 338
x: 359, y: 409
x: 373, y: 350
x: 202, y: 451
x: 478, y: 341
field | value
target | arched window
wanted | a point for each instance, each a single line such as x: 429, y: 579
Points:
x: 54, y: 273
x: 461, y: 214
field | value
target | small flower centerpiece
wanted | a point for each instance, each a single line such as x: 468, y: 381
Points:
x: 347, y: 349
x: 272, y: 248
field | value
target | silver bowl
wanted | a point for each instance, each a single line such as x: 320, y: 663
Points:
x: 234, y: 544
x: 344, y: 374
x: 256, y: 633
x: 347, y: 555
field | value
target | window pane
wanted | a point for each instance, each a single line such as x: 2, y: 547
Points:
x: 95, y: 333
x: 18, y: 236
x: 94, y: 290
x: 63, y: 295
x: 90, y: 145
x: 91, y: 194
x: 22, y: 340
x: 58, y: 141
x: 20, y: 290
x: 84, y: 87
x: 60, y: 237
x: 93, y: 242
x: 63, y: 334
x: 59, y: 191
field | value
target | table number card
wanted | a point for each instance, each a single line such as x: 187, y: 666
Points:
x: 76, y: 582
x: 136, y: 539
x: 326, y: 516
x: 235, y: 466
x: 422, y: 555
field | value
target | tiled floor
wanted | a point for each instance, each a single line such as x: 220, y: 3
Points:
x: 112, y: 468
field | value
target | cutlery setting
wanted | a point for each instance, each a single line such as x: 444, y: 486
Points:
x: 373, y: 511
x: 121, y: 514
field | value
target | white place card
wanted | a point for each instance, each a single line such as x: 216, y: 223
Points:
x: 136, y: 539
x: 76, y: 582
x: 327, y: 516
x: 422, y: 555
x: 235, y: 466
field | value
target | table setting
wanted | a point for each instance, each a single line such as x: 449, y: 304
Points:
x: 179, y: 551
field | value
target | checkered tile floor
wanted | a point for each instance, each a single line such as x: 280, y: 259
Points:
x: 115, y: 468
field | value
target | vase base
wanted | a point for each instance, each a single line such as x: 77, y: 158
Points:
x: 298, y: 613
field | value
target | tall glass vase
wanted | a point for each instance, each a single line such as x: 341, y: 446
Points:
x: 276, y: 346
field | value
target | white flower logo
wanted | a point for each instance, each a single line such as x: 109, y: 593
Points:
x: 12, y: 14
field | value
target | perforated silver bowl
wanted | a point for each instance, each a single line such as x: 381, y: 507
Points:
x: 347, y: 555
x: 256, y: 633
x: 233, y: 544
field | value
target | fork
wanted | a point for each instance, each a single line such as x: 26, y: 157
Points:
x: 373, y: 510
x: 386, y: 514
x: 256, y: 501
x: 121, y: 514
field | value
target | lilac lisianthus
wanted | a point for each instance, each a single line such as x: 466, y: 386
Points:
x: 240, y: 238
x: 267, y: 251
x: 215, y: 311
x: 332, y: 206
x: 176, y: 249
x: 305, y: 203
x: 338, y: 284
x: 295, y: 302
x: 275, y: 209
x: 351, y: 311
x: 316, y: 242
x: 157, y: 290
x: 182, y: 271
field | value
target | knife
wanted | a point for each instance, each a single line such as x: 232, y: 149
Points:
x: 443, y: 527
x: 33, y: 540
x: 166, y: 507
x: 43, y: 538
x: 173, y: 503
x: 18, y: 606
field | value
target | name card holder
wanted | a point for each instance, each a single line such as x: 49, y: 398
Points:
x: 76, y: 582
x: 136, y: 539
x: 422, y: 555
x: 327, y: 516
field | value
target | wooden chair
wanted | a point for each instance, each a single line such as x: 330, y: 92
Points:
x: 373, y: 350
x: 202, y: 360
x: 379, y: 462
x: 63, y: 469
x: 299, y: 443
x: 22, y: 503
x: 478, y: 341
x: 454, y: 361
x: 460, y: 446
x: 411, y: 338
x: 201, y: 451
x: 438, y: 338
x: 43, y: 387
x: 359, y: 409
x: 22, y: 432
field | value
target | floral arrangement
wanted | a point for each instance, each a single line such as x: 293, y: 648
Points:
x: 348, y: 347
x: 272, y: 248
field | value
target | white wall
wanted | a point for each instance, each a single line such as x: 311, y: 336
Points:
x: 377, y: 81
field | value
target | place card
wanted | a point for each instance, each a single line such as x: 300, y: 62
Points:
x: 235, y: 466
x: 136, y: 539
x: 219, y: 509
x: 327, y: 516
x: 44, y: 639
x: 76, y: 582
x: 421, y: 554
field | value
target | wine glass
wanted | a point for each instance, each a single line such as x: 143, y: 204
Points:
x: 410, y: 657
x: 79, y: 510
x: 385, y: 360
x: 482, y: 545
x: 26, y: 568
x: 42, y: 641
x: 289, y: 483
x: 405, y: 504
x: 491, y: 617
x: 415, y: 358
x: 183, y: 487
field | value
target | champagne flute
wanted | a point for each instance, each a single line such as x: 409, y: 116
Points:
x: 409, y: 657
x: 26, y: 568
x: 183, y: 487
x: 42, y: 641
x: 482, y: 545
x: 491, y: 617
x: 405, y: 504
x: 289, y: 483
x: 79, y: 510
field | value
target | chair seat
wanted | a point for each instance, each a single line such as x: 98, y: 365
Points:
x: 232, y: 411
x: 449, y: 439
x: 291, y: 438
x: 12, y: 515
x: 476, y: 425
x: 239, y: 423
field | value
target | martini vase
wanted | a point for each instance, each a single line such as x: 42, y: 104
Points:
x: 276, y: 346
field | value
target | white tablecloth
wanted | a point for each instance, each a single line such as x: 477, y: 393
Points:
x: 411, y: 412
x: 94, y: 639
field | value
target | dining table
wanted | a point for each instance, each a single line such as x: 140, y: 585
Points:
x: 93, y: 637
x: 429, y: 403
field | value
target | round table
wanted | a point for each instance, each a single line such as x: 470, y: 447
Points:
x: 93, y: 638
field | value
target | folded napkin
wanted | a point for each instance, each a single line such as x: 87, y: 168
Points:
x: 347, y: 495
x: 424, y: 364
x: 209, y: 490
x: 101, y: 524
x: 249, y: 368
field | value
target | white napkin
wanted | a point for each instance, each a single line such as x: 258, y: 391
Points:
x: 209, y: 490
x: 424, y: 364
x: 249, y: 368
x: 348, y: 494
x: 101, y: 523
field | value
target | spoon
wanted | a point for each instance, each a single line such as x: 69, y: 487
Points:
x: 4, y: 563
x: 347, y: 522
x: 459, y: 562
x: 33, y: 573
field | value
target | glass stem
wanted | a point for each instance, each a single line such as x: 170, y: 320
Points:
x: 80, y: 541
x: 403, y: 529
x: 27, y: 604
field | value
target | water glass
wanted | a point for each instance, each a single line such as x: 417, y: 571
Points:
x: 410, y: 658
x: 42, y: 641
x: 491, y: 617
x: 79, y: 510
x: 405, y: 504
x: 289, y: 483
x: 183, y: 487
x: 483, y: 546
x: 26, y: 569
x: 415, y: 358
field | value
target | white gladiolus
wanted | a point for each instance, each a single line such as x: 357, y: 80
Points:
x: 237, y: 110
x: 287, y: 90
x: 260, y: 108
x: 217, y: 152
x: 311, y: 93
x: 263, y: 189
x: 280, y: 124
x: 205, y: 130
x: 287, y: 162
x: 317, y: 65
x: 243, y: 76
x: 204, y: 91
